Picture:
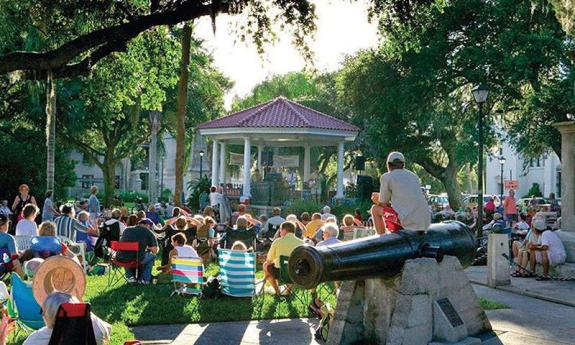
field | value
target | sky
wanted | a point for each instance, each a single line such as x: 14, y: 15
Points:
x: 342, y: 29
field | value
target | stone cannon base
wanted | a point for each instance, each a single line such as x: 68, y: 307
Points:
x: 428, y: 302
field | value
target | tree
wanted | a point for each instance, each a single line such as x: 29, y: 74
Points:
x: 414, y: 91
x: 565, y: 14
x: 105, y: 115
x: 181, y: 113
x: 98, y: 28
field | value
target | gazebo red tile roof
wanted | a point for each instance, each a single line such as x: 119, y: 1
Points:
x: 279, y: 113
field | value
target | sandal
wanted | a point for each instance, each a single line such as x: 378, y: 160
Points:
x: 543, y: 278
x: 517, y: 274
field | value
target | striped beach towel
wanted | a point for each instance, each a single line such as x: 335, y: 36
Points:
x: 187, y: 271
x: 237, y: 273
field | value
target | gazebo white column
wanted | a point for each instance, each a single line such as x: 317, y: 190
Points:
x: 222, y: 167
x: 247, y: 166
x: 306, y: 163
x: 339, y: 190
x: 215, y: 146
x: 567, y: 130
x: 260, y: 149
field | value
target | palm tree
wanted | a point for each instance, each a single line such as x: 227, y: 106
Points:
x: 50, y: 129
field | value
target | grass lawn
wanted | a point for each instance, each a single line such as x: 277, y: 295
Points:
x: 135, y: 305
x: 487, y: 304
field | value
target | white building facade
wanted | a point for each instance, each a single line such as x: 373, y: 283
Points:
x: 545, y: 171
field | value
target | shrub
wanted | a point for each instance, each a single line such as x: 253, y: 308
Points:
x: 131, y: 196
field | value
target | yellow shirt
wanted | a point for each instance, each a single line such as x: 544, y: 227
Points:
x: 283, y: 247
x: 311, y: 228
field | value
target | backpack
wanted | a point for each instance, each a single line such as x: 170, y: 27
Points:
x: 322, y: 331
x: 211, y: 288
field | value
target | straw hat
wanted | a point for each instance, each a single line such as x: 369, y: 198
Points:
x: 58, y: 273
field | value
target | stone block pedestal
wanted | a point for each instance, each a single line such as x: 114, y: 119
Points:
x: 497, y: 264
x: 427, y: 302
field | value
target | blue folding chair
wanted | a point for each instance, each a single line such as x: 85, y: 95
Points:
x: 237, y: 273
x: 25, y: 309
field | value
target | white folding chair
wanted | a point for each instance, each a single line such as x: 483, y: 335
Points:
x: 23, y: 242
x: 79, y: 249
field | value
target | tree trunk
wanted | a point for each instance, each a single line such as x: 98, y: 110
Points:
x: 109, y: 172
x: 451, y: 185
x: 153, y: 153
x: 50, y: 130
x: 181, y: 113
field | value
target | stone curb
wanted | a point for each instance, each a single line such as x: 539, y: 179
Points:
x: 525, y: 293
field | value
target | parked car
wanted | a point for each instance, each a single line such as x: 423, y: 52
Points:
x: 438, y: 202
x: 471, y: 200
x: 538, y: 202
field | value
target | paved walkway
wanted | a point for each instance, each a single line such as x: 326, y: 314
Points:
x: 562, y: 292
x: 531, y: 319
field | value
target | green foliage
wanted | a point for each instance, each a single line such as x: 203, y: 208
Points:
x: 340, y: 210
x: 565, y: 14
x: 197, y: 187
x: 132, y: 196
x: 535, y: 190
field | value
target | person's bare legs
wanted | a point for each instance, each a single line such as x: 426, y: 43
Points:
x: 270, y: 278
x: 377, y: 215
x: 17, y: 267
x: 545, y: 263
x: 532, y: 260
x: 515, y: 248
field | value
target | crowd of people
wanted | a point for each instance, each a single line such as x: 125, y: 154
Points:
x: 169, y: 231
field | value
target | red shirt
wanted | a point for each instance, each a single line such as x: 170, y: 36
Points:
x: 509, y: 205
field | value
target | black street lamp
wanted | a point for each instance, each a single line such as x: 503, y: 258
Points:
x: 502, y: 163
x: 201, y: 165
x: 480, y: 93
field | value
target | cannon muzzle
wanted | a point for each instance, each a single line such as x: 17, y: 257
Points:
x: 380, y: 256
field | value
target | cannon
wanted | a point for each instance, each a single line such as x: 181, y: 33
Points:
x: 380, y: 256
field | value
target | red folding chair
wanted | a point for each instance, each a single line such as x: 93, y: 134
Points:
x: 116, y: 273
x: 73, y: 325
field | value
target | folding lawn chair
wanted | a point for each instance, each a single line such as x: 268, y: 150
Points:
x: 247, y: 237
x: 116, y: 273
x: 73, y: 325
x: 23, y: 306
x: 363, y: 232
x: 23, y: 242
x: 237, y: 273
x: 187, y: 271
x: 285, y: 279
x: 78, y: 248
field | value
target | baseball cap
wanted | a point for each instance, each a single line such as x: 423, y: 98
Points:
x: 395, y: 156
x: 539, y: 224
x: 146, y: 221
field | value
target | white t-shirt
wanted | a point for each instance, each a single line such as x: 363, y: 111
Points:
x: 215, y: 198
x: 402, y: 188
x: 325, y: 216
x: 102, y: 331
x: 556, y: 249
x: 186, y: 252
x: 26, y: 227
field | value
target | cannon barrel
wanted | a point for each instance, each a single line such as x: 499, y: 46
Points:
x: 380, y: 256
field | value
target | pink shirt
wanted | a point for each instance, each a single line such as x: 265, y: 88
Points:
x: 509, y: 206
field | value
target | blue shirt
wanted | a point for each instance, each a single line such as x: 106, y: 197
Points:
x: 329, y: 241
x: 7, y: 241
x: 93, y: 204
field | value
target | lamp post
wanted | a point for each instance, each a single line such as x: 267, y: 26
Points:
x: 201, y: 164
x: 480, y: 93
x: 502, y: 163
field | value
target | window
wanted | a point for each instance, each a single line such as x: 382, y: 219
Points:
x: 87, y: 181
x: 558, y: 185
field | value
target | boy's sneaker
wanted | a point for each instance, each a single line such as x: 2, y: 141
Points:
x: 132, y: 280
x: 143, y: 282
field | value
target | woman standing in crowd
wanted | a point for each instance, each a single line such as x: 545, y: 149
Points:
x: 93, y: 205
x: 48, y: 210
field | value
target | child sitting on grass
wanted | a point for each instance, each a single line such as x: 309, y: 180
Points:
x: 181, y: 249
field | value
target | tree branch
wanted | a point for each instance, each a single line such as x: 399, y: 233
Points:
x: 108, y: 39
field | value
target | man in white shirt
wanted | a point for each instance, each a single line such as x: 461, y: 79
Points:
x: 550, y: 252
x: 326, y: 213
x: 273, y: 224
x: 400, y: 189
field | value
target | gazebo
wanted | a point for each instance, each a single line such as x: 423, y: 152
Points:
x: 276, y: 123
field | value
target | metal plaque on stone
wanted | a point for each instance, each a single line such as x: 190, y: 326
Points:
x: 449, y: 312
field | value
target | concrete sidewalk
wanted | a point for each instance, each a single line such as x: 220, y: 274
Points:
x: 527, y: 321
x: 562, y: 292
